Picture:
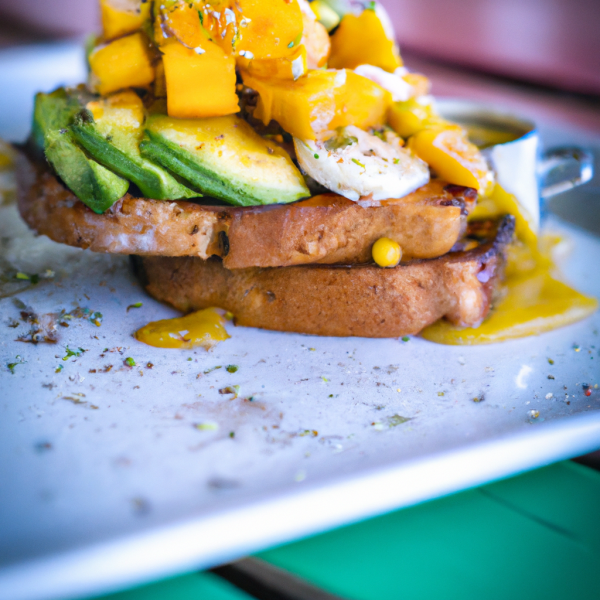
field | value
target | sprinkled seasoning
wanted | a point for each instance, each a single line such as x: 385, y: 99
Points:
x: 550, y: 361
x: 232, y: 368
x: 136, y: 305
x: 18, y: 361
x: 396, y: 420
x: 405, y: 339
x: 231, y: 389
x: 129, y: 362
x: 357, y: 162
x: 73, y: 353
x: 96, y: 319
x: 309, y: 433
x: 207, y: 426
x: 533, y: 414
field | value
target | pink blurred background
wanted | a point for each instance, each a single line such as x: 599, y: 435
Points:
x: 551, y: 42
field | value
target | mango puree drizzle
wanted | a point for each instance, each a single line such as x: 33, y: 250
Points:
x: 203, y: 328
x: 534, y: 300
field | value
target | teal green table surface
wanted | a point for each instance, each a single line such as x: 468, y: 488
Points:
x: 533, y: 536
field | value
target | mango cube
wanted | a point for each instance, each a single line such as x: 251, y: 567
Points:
x: 200, y: 82
x: 363, y: 40
x: 268, y: 28
x: 289, y: 67
x: 120, y: 17
x: 123, y: 63
x: 409, y: 117
x: 182, y: 21
x: 320, y: 102
x: 450, y: 154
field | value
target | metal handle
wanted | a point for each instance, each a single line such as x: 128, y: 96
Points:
x: 562, y: 158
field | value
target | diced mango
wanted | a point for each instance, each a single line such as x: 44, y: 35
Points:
x: 122, y: 17
x: 363, y: 40
x: 409, y: 117
x: 123, y: 63
x: 320, y: 102
x: 289, y: 67
x: 181, y: 20
x: 268, y: 28
x: 450, y: 154
x: 220, y: 23
x: 200, y: 83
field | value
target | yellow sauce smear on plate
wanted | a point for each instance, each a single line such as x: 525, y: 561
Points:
x: 203, y: 328
x: 534, y: 300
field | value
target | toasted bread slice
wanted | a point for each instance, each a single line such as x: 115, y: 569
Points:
x: 358, y: 300
x: 326, y: 229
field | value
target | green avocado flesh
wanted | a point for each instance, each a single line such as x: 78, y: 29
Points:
x: 225, y: 158
x: 113, y: 140
x: 94, y: 185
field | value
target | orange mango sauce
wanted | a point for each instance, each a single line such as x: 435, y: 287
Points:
x: 534, y: 300
x: 204, y: 328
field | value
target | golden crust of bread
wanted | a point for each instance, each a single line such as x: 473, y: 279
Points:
x: 326, y: 229
x: 358, y: 300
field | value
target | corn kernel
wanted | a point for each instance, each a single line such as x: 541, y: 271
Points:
x: 386, y: 252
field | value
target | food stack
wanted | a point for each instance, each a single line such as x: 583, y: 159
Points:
x: 273, y: 158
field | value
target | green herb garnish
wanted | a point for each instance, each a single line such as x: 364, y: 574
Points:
x: 18, y: 361
x: 96, y: 319
x: 340, y: 140
x: 396, y: 420
x: 130, y: 362
x: 76, y: 353
x: 231, y: 389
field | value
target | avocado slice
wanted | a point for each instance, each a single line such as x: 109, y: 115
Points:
x: 225, y: 158
x: 110, y: 129
x: 94, y: 185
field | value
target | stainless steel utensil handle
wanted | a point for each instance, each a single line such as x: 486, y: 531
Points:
x: 264, y: 581
x: 560, y: 158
